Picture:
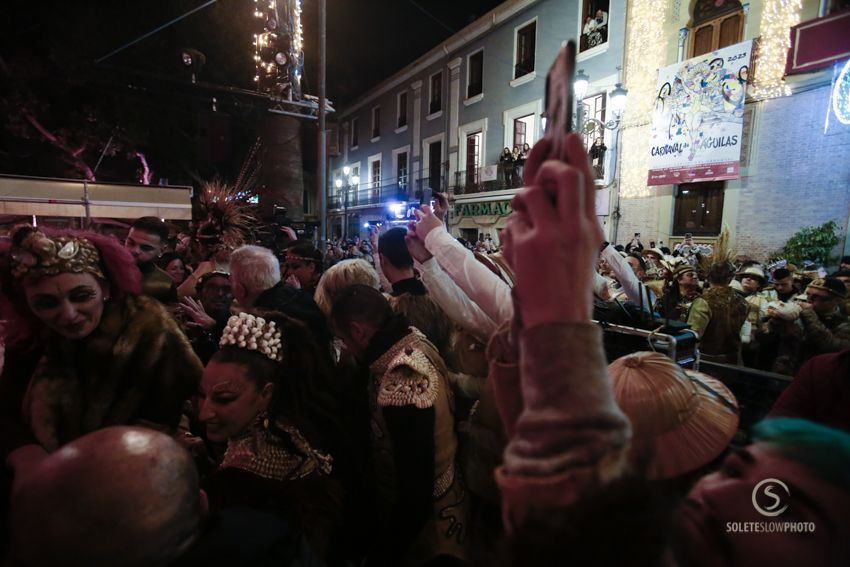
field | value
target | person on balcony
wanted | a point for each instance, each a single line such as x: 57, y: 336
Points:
x: 506, y: 163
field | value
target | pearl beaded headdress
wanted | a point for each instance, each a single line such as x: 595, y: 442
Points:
x: 253, y: 333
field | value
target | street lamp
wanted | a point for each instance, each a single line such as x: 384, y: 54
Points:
x: 349, y: 181
x: 616, y: 102
x: 618, y: 99
x: 580, y: 84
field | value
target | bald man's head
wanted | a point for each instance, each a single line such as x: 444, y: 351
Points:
x: 120, y: 496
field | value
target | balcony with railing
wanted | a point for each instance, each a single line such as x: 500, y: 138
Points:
x: 370, y: 194
x: 487, y: 178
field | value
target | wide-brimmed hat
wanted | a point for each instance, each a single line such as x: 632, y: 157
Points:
x: 753, y: 271
x: 681, y: 269
x: 658, y: 254
x: 833, y: 286
x: 681, y: 420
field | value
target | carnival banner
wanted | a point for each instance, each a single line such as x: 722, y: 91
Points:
x: 698, y: 119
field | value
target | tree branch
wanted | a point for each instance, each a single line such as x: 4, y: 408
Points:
x: 146, y: 171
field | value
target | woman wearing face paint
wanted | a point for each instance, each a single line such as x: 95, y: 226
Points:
x: 86, y: 350
x: 260, y: 394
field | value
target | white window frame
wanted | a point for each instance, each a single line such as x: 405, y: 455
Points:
x: 534, y: 107
x: 396, y: 153
x: 533, y: 74
x: 465, y: 130
x: 593, y: 51
x: 426, y: 152
x: 372, y: 131
x: 467, y: 100
x: 372, y: 159
x: 605, y: 85
x: 432, y: 116
x: 355, y: 122
x: 400, y: 129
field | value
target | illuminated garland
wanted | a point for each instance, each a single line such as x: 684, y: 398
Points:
x: 646, y: 45
x: 278, y: 48
x: 777, y: 17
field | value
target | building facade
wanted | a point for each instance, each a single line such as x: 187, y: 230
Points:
x: 795, y: 152
x: 441, y: 123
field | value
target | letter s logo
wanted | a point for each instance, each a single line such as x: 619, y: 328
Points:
x: 775, y: 508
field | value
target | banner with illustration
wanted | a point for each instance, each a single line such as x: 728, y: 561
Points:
x: 699, y: 116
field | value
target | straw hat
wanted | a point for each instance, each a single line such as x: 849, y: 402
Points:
x: 833, y: 286
x: 681, y: 269
x: 655, y: 252
x: 753, y: 271
x: 683, y: 419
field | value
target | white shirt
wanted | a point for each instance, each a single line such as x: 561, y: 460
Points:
x: 482, y: 286
x: 455, y: 303
x: 632, y: 287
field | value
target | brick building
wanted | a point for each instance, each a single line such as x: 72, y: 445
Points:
x: 795, y: 158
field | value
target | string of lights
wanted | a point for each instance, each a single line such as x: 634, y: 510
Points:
x: 777, y: 17
x: 646, y: 44
x: 278, y: 48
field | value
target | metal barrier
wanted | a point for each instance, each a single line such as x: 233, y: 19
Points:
x: 755, y: 390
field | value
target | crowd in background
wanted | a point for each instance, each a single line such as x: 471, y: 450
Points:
x: 199, y: 399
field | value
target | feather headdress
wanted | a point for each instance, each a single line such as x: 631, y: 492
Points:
x: 227, y: 219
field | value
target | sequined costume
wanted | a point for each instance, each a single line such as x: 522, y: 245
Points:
x: 411, y: 378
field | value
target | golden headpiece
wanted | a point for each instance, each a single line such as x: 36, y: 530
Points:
x: 34, y: 254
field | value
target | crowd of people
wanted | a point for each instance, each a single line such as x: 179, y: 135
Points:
x: 771, y: 317
x: 405, y: 400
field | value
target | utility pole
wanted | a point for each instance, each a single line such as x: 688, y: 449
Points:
x: 321, y: 178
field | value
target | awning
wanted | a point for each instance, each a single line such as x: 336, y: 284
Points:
x: 67, y: 198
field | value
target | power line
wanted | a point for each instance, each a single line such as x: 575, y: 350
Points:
x: 150, y: 33
x: 432, y: 16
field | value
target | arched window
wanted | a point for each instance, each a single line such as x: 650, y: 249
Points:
x: 716, y: 24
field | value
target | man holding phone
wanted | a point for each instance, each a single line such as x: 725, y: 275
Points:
x: 635, y: 245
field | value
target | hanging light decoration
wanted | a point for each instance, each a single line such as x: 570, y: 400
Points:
x: 777, y: 18
x: 278, y: 47
x: 646, y: 44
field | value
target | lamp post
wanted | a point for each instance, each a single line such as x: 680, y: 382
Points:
x: 616, y: 102
x: 348, y: 181
x: 617, y: 98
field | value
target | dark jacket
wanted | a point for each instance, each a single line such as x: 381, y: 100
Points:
x: 299, y: 305
x: 158, y: 285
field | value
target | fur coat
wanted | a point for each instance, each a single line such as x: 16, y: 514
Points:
x: 137, y: 367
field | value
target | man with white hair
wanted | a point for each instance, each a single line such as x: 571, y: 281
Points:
x: 256, y: 281
x: 253, y: 270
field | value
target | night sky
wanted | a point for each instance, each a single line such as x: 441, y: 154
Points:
x: 142, y: 96
x: 367, y: 39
